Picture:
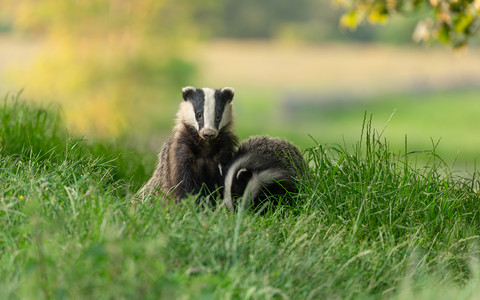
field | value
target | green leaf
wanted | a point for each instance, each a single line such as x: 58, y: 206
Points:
x: 378, y: 17
x: 462, y: 22
x: 444, y: 34
x: 349, y: 20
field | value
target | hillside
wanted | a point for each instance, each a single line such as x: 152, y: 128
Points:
x: 369, y: 224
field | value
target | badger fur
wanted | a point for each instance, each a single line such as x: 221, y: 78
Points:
x: 202, y: 142
x: 262, y: 166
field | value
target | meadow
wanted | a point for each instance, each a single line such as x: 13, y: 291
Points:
x: 299, y: 91
x: 419, y: 121
x: 370, y: 223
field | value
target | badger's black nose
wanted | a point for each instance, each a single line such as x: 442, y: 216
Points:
x: 208, y: 134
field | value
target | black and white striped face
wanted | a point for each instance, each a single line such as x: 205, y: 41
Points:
x: 207, y: 110
x: 243, y: 183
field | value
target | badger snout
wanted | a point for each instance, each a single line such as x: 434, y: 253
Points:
x: 208, y: 134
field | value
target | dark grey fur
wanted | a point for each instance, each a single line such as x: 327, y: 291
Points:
x: 189, y: 162
x: 261, y: 167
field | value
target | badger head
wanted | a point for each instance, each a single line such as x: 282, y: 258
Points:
x: 245, y: 181
x: 206, y: 110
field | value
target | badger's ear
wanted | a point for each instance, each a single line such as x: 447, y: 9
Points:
x: 227, y: 94
x: 187, y: 92
x: 244, y: 174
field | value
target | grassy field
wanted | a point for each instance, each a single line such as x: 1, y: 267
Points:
x: 369, y: 224
x: 423, y: 119
x: 346, y: 68
x: 298, y: 90
x: 323, y: 91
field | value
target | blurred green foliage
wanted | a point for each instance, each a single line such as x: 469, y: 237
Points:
x: 451, y: 22
x: 303, y: 20
x: 118, y: 65
x: 108, y: 60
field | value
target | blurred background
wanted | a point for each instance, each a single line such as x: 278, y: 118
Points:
x: 116, y: 67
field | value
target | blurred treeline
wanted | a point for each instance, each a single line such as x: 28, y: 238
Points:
x: 304, y: 21
x: 114, y: 64
x: 107, y: 61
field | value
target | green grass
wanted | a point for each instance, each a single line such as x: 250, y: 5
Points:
x: 39, y: 133
x: 449, y: 117
x: 370, y: 224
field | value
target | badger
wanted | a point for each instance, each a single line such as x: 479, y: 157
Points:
x: 261, y: 167
x: 203, y: 141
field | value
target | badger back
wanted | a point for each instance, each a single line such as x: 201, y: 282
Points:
x: 261, y: 166
x: 206, y: 111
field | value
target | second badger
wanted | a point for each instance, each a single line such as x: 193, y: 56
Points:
x: 263, y: 166
x: 202, y: 143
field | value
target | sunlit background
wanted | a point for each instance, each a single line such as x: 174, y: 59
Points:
x: 117, y: 67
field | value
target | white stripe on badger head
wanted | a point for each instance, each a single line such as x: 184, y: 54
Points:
x: 259, y: 180
x: 209, y: 109
x: 186, y: 114
x: 227, y: 116
x: 231, y: 174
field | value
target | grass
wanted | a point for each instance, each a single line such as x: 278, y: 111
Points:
x: 297, y: 90
x: 39, y: 133
x: 369, y: 224
x: 422, y: 117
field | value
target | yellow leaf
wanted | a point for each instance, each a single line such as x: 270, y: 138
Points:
x: 376, y: 17
x: 349, y: 20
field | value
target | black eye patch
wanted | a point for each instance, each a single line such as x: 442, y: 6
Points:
x: 197, y: 98
x: 219, y: 107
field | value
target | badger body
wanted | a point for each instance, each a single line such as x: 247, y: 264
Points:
x: 261, y: 167
x: 203, y: 141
